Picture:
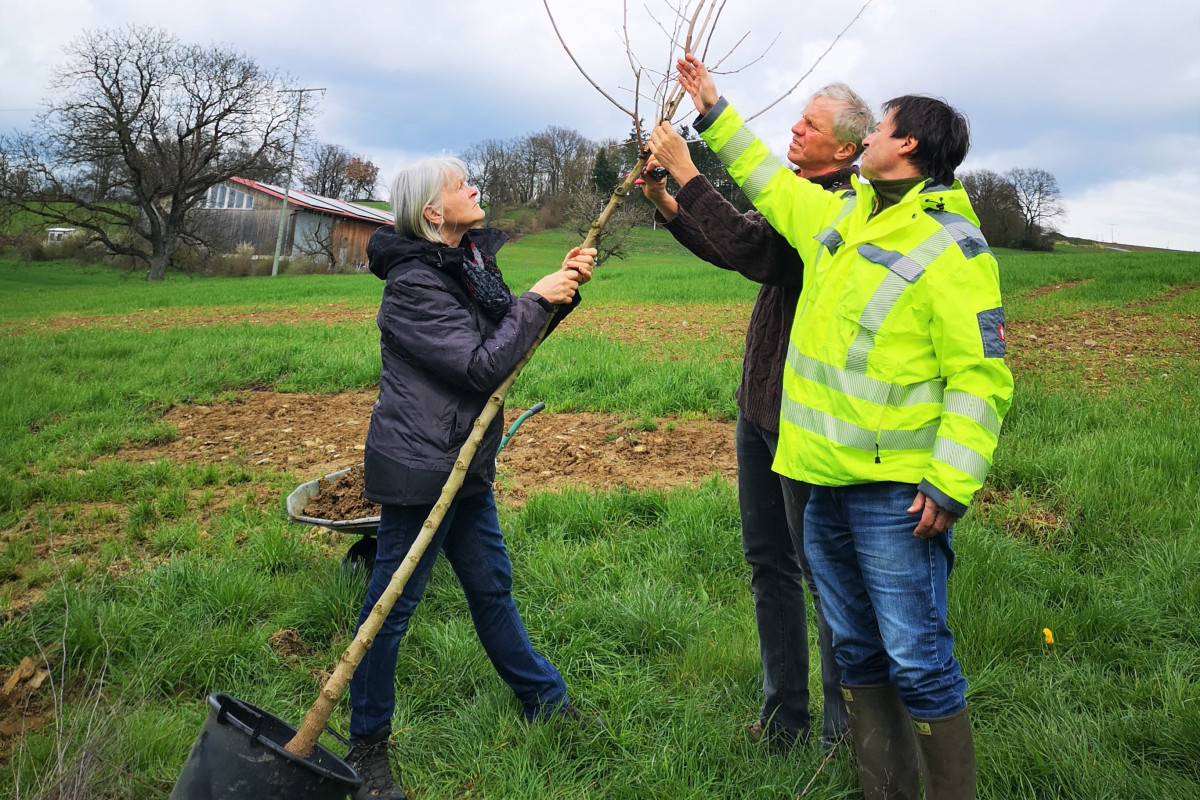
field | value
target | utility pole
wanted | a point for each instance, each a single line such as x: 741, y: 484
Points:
x: 291, y: 165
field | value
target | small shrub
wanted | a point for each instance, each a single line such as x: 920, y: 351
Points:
x: 31, y: 247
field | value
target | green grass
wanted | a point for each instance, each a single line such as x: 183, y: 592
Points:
x: 640, y: 598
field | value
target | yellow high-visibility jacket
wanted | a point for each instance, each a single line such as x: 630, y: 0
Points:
x: 895, y: 368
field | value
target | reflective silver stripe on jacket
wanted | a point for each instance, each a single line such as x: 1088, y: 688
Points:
x: 862, y: 387
x: 973, y: 408
x: 903, y: 269
x: 831, y: 238
x: 969, y: 237
x: 850, y: 435
x: 960, y: 457
x: 736, y: 147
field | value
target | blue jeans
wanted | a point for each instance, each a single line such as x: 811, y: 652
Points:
x: 772, y: 511
x: 470, y: 537
x: 884, y: 593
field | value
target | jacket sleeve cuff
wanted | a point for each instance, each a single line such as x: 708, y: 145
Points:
x: 546, y: 305
x: 704, y: 121
x: 941, y: 498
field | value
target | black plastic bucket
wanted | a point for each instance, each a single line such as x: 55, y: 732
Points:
x: 240, y: 754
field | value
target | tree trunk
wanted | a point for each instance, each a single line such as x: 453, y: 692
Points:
x: 160, y: 257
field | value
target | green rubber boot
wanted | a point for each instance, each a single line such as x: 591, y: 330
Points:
x: 882, y: 733
x: 947, y: 754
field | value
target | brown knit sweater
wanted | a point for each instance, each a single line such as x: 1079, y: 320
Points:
x: 709, y: 226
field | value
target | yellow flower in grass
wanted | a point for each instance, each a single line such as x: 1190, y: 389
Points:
x: 1048, y: 635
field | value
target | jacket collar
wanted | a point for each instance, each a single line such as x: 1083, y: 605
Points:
x: 387, y: 249
x: 928, y: 196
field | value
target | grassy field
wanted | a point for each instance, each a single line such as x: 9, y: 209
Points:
x: 1087, y: 527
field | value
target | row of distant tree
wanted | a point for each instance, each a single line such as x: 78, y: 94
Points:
x: 1017, y: 208
x: 331, y: 170
x: 139, y: 125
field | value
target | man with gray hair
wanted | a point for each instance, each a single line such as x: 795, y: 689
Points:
x: 825, y: 144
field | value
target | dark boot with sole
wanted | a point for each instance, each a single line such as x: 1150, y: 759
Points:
x: 882, y: 733
x: 947, y: 753
x: 369, y: 757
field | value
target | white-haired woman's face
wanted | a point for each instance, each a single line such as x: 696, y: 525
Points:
x: 460, y: 204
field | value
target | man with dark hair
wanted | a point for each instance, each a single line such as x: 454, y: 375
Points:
x: 893, y: 396
x: 826, y: 142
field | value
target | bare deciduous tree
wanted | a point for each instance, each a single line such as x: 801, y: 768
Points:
x: 1039, y: 199
x: 994, y: 199
x: 326, y: 171
x: 537, y: 168
x: 139, y: 128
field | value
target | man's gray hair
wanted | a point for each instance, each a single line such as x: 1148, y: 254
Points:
x: 854, y: 121
x: 418, y: 187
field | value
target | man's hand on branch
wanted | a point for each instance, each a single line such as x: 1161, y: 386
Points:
x: 655, y: 190
x: 694, y: 78
x: 671, y: 151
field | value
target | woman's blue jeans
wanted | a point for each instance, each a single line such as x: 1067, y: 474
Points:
x: 470, y: 537
x: 884, y: 594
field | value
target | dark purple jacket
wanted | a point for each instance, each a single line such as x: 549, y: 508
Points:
x: 713, y: 229
x: 442, y: 359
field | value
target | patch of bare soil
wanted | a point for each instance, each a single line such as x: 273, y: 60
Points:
x: 1042, y: 291
x: 162, y: 319
x: 652, y: 327
x: 556, y: 451
x: 319, y: 434
x: 313, y: 434
x: 646, y: 326
x: 23, y: 705
x: 1037, y: 521
x: 1108, y: 343
x: 289, y: 646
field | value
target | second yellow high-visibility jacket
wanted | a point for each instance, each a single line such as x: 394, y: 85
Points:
x: 895, y: 368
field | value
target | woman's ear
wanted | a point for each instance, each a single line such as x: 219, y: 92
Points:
x: 434, y: 215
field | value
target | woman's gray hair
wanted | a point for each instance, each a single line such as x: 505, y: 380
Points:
x: 418, y: 187
x: 854, y: 121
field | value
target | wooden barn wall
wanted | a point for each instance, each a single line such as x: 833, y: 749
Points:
x: 227, y: 228
x: 353, y: 235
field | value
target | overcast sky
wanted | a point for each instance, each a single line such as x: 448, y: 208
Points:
x: 1103, y: 94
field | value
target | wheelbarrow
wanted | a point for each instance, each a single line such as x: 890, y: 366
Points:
x: 361, y: 554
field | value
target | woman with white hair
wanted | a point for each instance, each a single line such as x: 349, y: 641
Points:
x: 451, y: 331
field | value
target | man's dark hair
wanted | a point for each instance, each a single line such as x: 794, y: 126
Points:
x: 943, y: 135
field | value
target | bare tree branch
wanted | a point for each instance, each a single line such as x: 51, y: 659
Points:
x: 816, y: 63
x: 579, y: 66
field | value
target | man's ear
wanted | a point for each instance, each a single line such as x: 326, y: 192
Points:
x: 847, y: 152
x: 908, y: 146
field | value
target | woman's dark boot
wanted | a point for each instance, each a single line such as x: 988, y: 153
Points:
x: 947, y: 756
x: 882, y: 733
x: 369, y: 758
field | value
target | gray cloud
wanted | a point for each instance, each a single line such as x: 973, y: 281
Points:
x: 1100, y: 93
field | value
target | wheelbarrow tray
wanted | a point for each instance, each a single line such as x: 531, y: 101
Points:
x: 298, y: 499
